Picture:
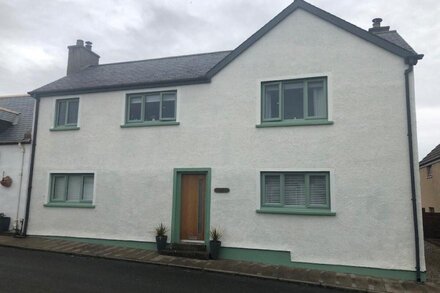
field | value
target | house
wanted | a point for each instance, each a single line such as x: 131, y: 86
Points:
x: 429, y: 169
x: 16, y: 121
x: 298, y: 145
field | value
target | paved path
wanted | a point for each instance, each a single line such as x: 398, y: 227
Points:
x: 37, y: 271
x: 232, y: 267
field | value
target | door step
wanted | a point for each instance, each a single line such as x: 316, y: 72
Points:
x: 197, y: 251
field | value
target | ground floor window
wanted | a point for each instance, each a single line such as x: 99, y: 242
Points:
x: 72, y: 188
x: 302, y: 190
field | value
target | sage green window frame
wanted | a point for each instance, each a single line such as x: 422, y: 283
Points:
x: 281, y: 84
x: 66, y: 177
x: 306, y: 175
x: 143, y: 97
x: 57, y: 114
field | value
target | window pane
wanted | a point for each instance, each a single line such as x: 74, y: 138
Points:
x: 294, y: 190
x: 72, y: 115
x: 152, y: 108
x: 168, y: 106
x: 318, y: 190
x: 74, y: 187
x: 293, y: 100
x: 272, y: 189
x: 59, y: 187
x: 62, y: 107
x: 271, y: 102
x: 135, y: 108
x: 88, y: 188
x: 316, y: 99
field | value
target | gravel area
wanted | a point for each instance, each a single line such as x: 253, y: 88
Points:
x: 432, y: 257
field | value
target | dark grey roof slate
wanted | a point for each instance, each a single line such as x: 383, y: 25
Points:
x: 200, y: 68
x: 434, y: 155
x: 19, y: 132
x: 395, y: 38
x: 8, y: 116
x: 144, y: 73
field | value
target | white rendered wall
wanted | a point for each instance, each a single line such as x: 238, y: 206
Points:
x: 366, y: 151
x: 10, y: 163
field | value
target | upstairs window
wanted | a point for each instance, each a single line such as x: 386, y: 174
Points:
x: 155, y: 107
x: 298, y: 100
x: 67, y: 113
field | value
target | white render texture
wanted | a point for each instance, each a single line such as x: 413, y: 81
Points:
x: 10, y: 163
x: 366, y: 151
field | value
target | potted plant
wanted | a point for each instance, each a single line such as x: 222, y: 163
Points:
x: 161, y: 237
x: 215, y: 243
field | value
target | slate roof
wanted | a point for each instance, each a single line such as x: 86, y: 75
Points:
x: 144, y: 73
x: 19, y: 130
x: 200, y: 68
x: 395, y: 38
x: 434, y: 155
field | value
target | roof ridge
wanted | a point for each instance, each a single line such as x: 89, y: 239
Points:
x: 14, y: 96
x: 160, y: 58
x: 9, y: 110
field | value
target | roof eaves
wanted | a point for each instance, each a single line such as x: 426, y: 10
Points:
x: 110, y: 88
x: 24, y: 141
x: 429, y: 162
x: 393, y: 48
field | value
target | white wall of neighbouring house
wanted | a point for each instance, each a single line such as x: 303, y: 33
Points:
x: 14, y: 197
x: 365, y: 150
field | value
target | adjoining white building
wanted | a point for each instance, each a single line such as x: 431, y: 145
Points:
x: 16, y: 120
x: 294, y: 144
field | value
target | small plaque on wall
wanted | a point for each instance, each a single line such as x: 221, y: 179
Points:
x: 221, y: 190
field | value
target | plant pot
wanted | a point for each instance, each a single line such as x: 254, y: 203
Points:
x: 161, y: 242
x: 4, y: 224
x: 214, y: 248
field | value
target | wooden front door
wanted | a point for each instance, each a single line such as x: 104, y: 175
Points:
x: 192, y: 209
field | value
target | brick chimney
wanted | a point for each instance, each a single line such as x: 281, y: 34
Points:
x: 376, y: 26
x: 81, y: 56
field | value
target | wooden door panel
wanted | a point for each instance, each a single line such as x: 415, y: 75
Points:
x: 192, y: 207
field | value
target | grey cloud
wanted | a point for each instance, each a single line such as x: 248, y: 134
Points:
x: 35, y: 35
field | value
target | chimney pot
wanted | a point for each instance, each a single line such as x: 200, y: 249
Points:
x: 80, y: 43
x: 89, y: 45
x: 376, y: 22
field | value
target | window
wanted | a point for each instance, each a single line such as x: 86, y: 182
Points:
x: 299, y: 100
x: 66, y: 113
x: 72, y: 188
x: 429, y: 171
x: 296, y: 190
x: 147, y: 108
x: 431, y: 210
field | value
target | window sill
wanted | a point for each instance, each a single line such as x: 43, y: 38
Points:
x: 69, y: 205
x: 147, y: 124
x: 290, y: 211
x: 64, y: 128
x: 294, y: 123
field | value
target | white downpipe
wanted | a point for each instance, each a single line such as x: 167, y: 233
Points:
x: 20, y: 185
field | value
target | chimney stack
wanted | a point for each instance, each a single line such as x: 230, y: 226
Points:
x: 376, y: 26
x: 81, y: 56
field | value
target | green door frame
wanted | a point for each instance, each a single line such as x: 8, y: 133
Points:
x: 177, y: 179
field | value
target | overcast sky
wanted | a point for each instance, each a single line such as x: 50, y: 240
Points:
x: 34, y: 36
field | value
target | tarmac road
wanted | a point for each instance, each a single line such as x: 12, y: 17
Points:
x: 36, y: 271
